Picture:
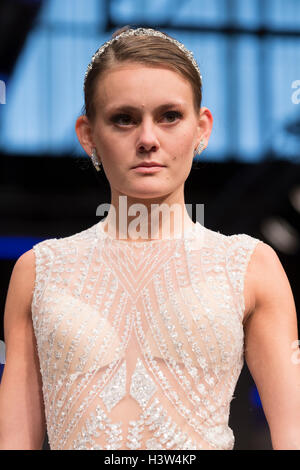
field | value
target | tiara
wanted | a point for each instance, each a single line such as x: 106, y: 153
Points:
x: 142, y: 32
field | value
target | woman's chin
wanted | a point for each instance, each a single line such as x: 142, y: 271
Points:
x: 145, y: 191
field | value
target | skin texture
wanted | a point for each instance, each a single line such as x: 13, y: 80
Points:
x: 271, y: 350
x: 22, y: 415
x: 144, y: 134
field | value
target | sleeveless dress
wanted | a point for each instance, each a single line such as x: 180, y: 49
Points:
x: 140, y: 343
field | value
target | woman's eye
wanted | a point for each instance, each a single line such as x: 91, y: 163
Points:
x: 123, y: 119
x: 173, y: 115
x: 126, y: 119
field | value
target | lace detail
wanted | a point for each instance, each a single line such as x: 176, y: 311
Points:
x: 142, y: 386
x: 140, y: 343
x: 116, y: 389
x: 238, y: 258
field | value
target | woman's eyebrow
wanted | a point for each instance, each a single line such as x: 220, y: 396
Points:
x: 130, y: 108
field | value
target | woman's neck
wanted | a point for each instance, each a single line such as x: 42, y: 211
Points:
x: 153, y: 221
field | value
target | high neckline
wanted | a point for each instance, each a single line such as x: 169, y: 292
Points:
x: 188, y: 233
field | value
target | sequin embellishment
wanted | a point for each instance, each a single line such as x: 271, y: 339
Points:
x: 140, y: 344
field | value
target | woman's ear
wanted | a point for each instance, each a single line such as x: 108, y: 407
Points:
x: 205, y: 123
x: 84, y: 134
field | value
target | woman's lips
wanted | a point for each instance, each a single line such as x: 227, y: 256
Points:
x: 148, y: 169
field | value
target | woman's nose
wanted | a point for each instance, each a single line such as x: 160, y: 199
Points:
x: 147, y: 139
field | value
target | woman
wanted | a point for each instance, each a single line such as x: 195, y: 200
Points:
x: 122, y: 342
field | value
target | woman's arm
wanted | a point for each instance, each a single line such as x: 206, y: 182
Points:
x: 22, y: 420
x: 271, y: 347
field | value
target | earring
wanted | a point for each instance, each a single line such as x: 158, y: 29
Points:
x: 95, y: 160
x: 200, y: 148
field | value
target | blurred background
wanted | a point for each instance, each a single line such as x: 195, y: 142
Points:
x: 248, y: 178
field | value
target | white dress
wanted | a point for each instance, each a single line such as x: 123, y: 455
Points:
x: 140, y: 344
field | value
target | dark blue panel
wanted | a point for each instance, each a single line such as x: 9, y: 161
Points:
x: 14, y: 247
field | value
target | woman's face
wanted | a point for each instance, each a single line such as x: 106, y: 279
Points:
x: 146, y: 114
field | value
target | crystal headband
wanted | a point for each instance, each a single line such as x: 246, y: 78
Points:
x: 142, y: 32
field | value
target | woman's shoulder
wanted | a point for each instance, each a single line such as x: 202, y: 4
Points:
x: 232, y: 242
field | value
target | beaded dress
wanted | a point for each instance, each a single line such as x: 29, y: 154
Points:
x: 140, y: 343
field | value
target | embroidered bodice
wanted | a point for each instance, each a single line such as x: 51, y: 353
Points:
x: 140, y: 343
